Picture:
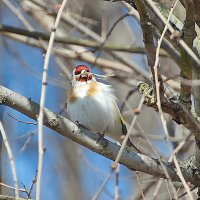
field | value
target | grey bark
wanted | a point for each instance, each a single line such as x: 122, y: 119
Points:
x: 133, y: 161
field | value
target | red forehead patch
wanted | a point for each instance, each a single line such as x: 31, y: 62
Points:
x: 79, y: 68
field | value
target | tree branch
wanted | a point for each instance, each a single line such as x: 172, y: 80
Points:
x: 196, y: 12
x: 108, y: 149
x: 189, y: 35
x: 81, y: 42
x: 157, y: 13
x: 149, y: 41
x: 5, y: 197
x: 171, y: 107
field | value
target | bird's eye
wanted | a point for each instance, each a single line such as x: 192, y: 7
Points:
x: 77, y: 72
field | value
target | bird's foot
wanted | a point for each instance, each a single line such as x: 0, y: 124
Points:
x: 80, y: 125
x: 100, y: 137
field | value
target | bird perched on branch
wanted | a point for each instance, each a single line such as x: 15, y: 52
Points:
x: 93, y: 105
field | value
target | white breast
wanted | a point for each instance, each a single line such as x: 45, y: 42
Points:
x: 97, y: 112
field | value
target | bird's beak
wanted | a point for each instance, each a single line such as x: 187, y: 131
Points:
x: 84, y: 74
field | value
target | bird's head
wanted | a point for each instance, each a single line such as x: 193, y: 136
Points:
x: 81, y: 73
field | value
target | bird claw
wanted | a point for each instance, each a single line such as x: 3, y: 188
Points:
x: 77, y: 123
x: 101, y: 136
x: 80, y: 125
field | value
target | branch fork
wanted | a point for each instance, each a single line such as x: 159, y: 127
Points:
x: 172, y: 107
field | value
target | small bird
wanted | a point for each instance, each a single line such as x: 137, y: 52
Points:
x: 93, y: 105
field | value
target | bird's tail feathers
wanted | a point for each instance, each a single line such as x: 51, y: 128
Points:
x: 124, y: 131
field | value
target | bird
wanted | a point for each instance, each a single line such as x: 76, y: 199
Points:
x: 93, y: 105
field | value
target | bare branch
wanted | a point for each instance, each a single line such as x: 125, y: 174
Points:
x: 42, y: 99
x: 171, y: 107
x: 148, y: 40
x: 132, y: 160
x: 189, y: 35
x: 11, y: 159
x: 81, y: 42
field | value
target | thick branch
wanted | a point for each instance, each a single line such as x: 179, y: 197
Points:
x: 189, y: 35
x: 192, y: 15
x: 196, y: 11
x: 148, y: 40
x: 132, y: 160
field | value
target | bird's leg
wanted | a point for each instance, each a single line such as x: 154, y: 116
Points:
x: 77, y: 123
x: 80, y: 125
x: 100, y: 136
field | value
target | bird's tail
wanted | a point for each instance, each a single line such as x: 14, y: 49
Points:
x: 124, y: 131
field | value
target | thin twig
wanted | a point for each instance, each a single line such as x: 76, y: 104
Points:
x: 108, y: 34
x: 42, y: 99
x: 17, y: 12
x: 145, y: 190
x: 129, y: 94
x: 140, y: 187
x: 8, y: 186
x: 26, y: 190
x: 117, y: 197
x: 26, y: 142
x: 176, y: 150
x: 103, y: 185
x: 11, y: 158
x: 24, y: 122
x: 168, y: 189
x: 33, y: 182
x: 168, y: 177
x: 182, y: 195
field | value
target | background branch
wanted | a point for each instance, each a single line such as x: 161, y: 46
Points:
x: 148, y: 40
x: 81, y: 42
x: 186, y: 63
